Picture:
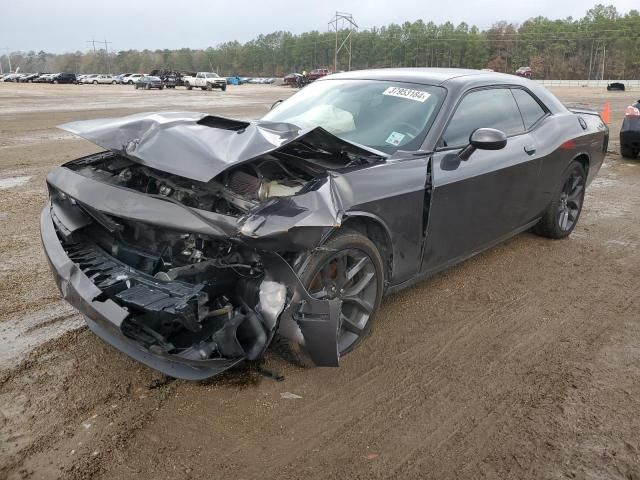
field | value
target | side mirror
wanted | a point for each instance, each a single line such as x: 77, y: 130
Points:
x: 276, y: 103
x: 484, y: 139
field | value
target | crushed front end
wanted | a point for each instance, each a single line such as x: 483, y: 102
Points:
x: 181, y: 274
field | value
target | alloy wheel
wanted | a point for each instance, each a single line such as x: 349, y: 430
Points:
x: 571, y: 199
x: 349, y: 275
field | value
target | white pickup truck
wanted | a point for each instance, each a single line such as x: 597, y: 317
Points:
x: 205, y: 81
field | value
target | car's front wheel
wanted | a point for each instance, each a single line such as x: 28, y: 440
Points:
x: 348, y: 268
x: 562, y: 214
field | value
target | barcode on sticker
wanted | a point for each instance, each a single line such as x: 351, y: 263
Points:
x: 417, y: 95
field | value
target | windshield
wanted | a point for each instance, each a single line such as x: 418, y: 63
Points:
x: 386, y: 116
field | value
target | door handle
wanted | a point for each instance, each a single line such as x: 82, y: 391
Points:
x: 530, y: 149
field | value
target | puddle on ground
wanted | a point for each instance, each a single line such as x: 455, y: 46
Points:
x: 13, y: 182
x: 21, y: 335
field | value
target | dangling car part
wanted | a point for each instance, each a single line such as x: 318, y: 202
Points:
x: 193, y: 242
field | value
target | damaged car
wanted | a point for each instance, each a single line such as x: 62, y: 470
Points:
x: 194, y: 242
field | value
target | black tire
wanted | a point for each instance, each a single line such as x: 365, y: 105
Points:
x: 224, y: 88
x: 561, y: 216
x: 189, y: 87
x: 162, y: 87
x: 55, y: 81
x: 369, y: 264
x: 627, y: 152
x: 136, y: 86
x: 114, y: 83
x: 95, y: 82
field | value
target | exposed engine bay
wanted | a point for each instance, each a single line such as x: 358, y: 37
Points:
x: 234, y: 192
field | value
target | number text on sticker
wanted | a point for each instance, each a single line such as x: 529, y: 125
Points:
x: 417, y: 95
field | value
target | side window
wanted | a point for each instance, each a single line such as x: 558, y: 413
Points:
x: 490, y: 108
x: 199, y: 75
x: 529, y: 108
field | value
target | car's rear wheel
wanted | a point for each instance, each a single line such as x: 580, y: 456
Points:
x: 627, y: 152
x: 349, y: 268
x: 189, y: 87
x: 562, y: 214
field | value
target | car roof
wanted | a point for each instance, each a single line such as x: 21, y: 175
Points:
x: 427, y: 76
x: 456, y: 80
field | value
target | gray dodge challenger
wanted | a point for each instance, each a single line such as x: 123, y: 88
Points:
x: 194, y: 242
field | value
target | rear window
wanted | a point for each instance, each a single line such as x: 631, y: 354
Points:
x: 529, y: 108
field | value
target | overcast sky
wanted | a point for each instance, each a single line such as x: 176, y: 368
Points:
x: 66, y: 25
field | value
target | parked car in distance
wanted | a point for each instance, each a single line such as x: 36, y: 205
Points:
x: 104, y: 79
x: 43, y: 78
x: 132, y: 78
x: 89, y: 78
x: 120, y: 78
x: 525, y: 72
x: 206, y: 81
x: 13, y: 77
x: 63, y: 78
x: 630, y: 132
x: 29, y: 78
x: 317, y: 73
x: 170, y: 81
x: 147, y: 82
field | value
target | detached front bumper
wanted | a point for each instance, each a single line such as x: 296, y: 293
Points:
x: 105, y: 318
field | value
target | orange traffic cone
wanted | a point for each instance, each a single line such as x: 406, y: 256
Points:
x: 605, y: 113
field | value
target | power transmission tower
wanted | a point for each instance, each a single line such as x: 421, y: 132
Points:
x: 106, y: 51
x: 94, y: 45
x: 343, y: 23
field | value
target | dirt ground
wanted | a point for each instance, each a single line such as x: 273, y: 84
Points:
x: 523, y: 362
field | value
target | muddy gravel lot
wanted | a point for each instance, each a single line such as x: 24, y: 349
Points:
x: 522, y: 362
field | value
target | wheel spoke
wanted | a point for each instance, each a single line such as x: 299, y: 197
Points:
x: 360, y: 303
x: 574, y: 183
x: 573, y: 214
x: 341, y: 270
x: 564, y: 219
x: 350, y: 325
x: 360, y: 285
x: 574, y: 196
x: 360, y: 264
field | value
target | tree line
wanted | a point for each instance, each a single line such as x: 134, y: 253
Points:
x: 603, y: 44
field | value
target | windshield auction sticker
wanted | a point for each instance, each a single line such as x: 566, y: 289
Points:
x: 416, y: 95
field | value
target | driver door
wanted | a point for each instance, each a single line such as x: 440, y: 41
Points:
x: 481, y: 201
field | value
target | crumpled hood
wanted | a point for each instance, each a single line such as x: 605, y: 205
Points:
x: 200, y: 146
